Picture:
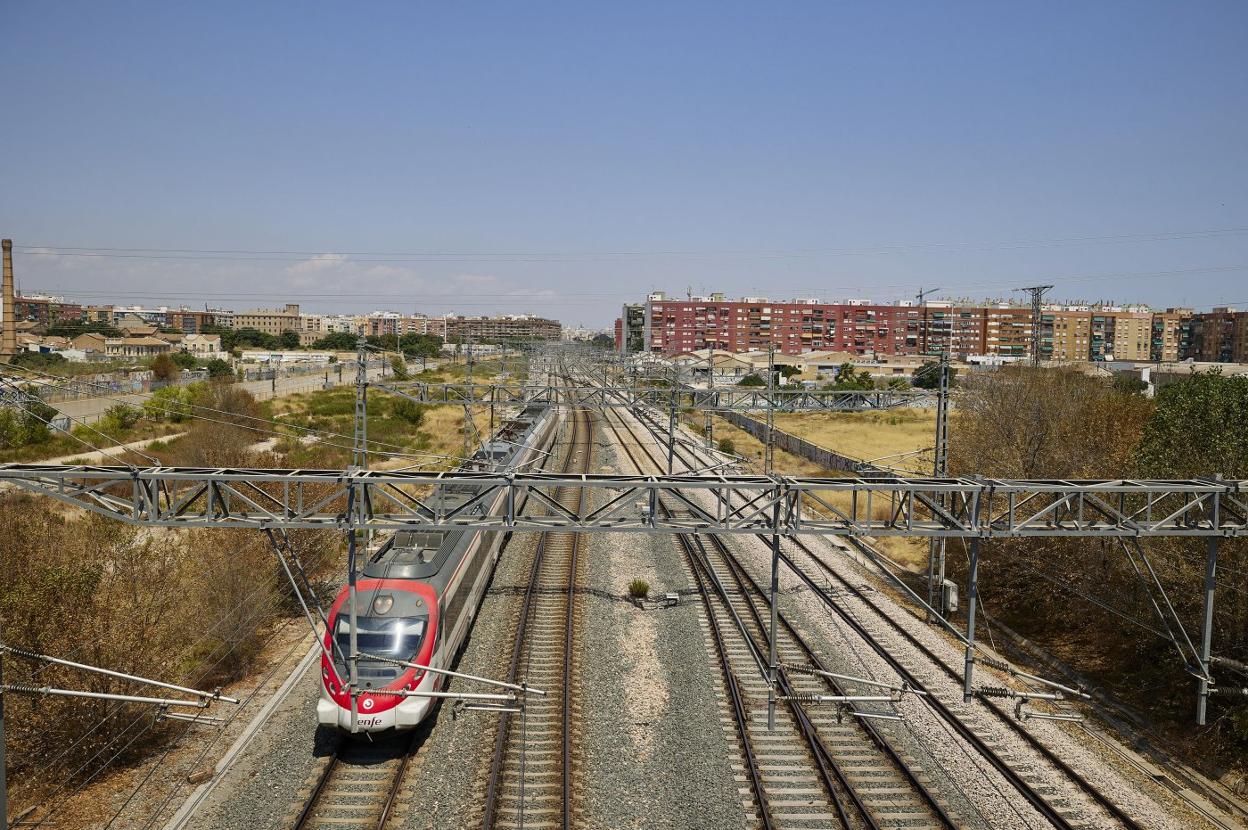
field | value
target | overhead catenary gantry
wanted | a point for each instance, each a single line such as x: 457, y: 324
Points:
x: 733, y: 399
x: 707, y: 503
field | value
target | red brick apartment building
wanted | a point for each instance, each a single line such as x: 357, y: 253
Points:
x: 670, y: 325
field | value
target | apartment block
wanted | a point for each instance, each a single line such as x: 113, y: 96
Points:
x: 45, y: 310
x: 958, y: 330
x: 1132, y: 335
x: 1007, y: 331
x: 269, y: 320
x: 1065, y: 334
x: 500, y: 329
x: 1172, y: 335
x: 1220, y: 336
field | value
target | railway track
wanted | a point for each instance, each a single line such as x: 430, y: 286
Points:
x: 359, y: 786
x: 530, y: 777
x: 817, y: 768
x: 1055, y: 808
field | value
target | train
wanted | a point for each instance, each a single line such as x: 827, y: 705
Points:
x: 417, y: 596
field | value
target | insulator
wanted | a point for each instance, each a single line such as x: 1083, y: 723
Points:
x: 992, y: 662
x: 996, y: 691
x: 25, y: 688
x: 805, y: 697
x: 801, y: 669
x: 21, y: 652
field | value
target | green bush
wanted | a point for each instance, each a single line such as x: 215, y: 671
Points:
x: 639, y: 589
x: 171, y: 403
x: 409, y: 411
x: 218, y: 368
x: 726, y: 446
x: 119, y: 418
x: 184, y: 360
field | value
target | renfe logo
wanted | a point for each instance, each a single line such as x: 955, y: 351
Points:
x: 375, y: 721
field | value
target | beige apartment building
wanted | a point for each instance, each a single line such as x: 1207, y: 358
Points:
x: 1132, y: 335
x: 1066, y: 335
x: 270, y: 320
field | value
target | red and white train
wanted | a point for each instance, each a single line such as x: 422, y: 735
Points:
x: 416, y: 599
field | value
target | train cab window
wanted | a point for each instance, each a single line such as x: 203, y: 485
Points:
x: 398, y: 638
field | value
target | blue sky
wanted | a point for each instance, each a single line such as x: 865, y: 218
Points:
x: 564, y: 158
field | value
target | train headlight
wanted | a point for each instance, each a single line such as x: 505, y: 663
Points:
x: 383, y: 603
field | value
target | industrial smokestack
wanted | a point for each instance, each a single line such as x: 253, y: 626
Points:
x: 8, y: 339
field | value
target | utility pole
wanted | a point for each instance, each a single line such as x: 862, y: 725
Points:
x: 671, y: 425
x: 468, y: 423
x: 709, y: 425
x: 768, y: 445
x: 359, y: 447
x: 940, y: 469
x: 1206, y: 628
x: 1037, y: 302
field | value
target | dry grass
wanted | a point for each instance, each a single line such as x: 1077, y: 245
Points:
x: 870, y: 435
x: 859, y: 434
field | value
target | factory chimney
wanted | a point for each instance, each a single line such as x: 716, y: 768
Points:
x: 8, y: 338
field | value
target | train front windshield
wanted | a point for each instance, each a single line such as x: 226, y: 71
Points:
x: 398, y: 638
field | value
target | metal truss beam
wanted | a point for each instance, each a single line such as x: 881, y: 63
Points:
x: 738, y: 504
x: 733, y: 399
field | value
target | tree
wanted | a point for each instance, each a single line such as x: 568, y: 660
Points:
x: 603, y: 341
x: 184, y: 360
x: 420, y: 345
x: 29, y: 426
x: 74, y: 328
x: 253, y: 338
x: 218, y: 369
x: 398, y: 367
x: 927, y: 376
x: 338, y: 341
x: 848, y: 378
x: 163, y: 368
x: 1197, y: 428
x: 752, y: 379
x: 39, y: 360
x: 388, y: 342
x: 787, y: 371
x: 289, y: 339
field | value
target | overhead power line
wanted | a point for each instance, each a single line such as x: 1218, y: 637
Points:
x: 884, y: 248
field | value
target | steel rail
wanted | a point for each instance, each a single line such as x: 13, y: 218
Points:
x: 829, y: 773
x: 945, y: 713
x: 743, y: 579
x: 337, y: 764
x: 498, y: 759
x: 1016, y: 781
x: 730, y: 680
x: 305, y: 813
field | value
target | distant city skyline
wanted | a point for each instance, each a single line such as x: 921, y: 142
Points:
x: 566, y: 159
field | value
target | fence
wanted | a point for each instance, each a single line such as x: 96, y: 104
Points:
x: 790, y: 443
